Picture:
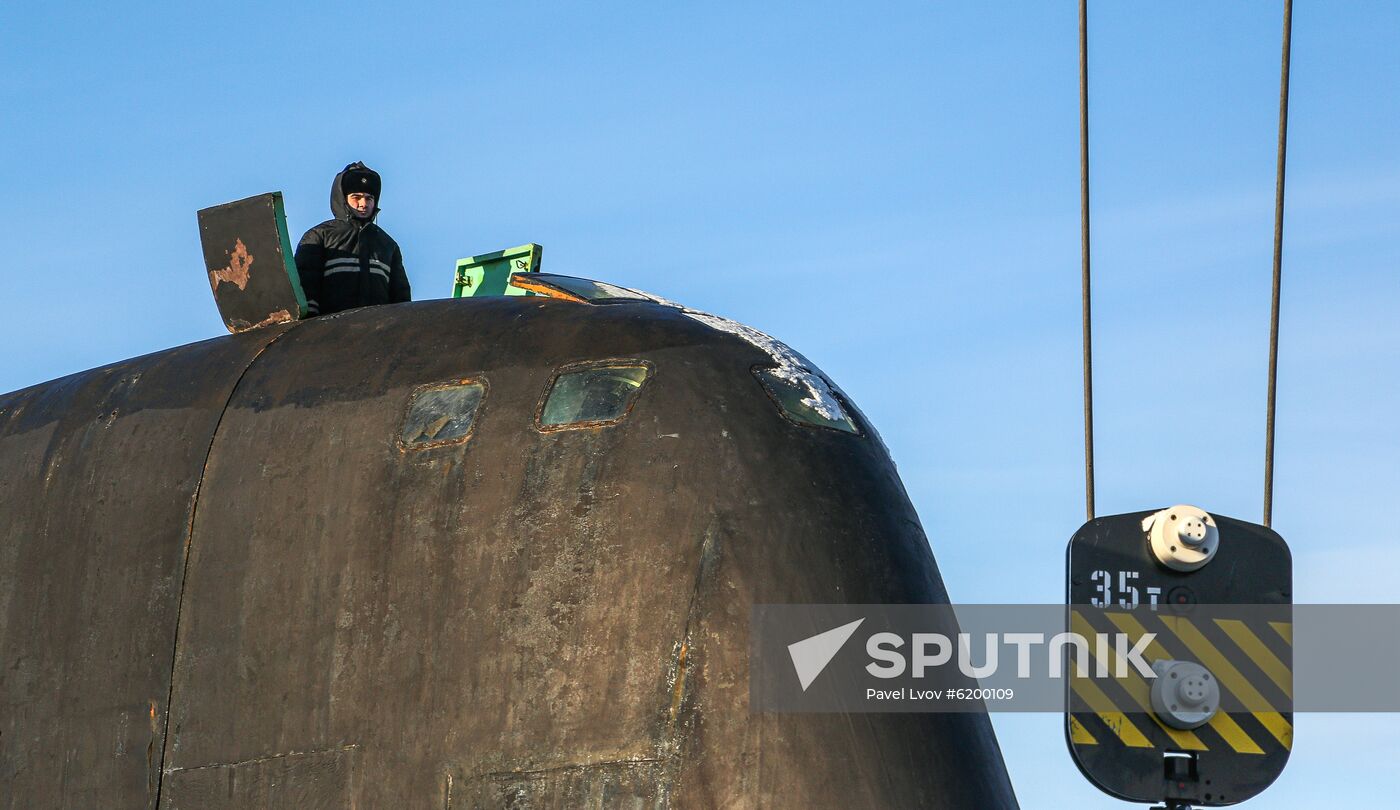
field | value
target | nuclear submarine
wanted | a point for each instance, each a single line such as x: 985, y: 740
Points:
x: 494, y: 552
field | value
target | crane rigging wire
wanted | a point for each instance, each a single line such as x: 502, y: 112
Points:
x: 1085, y: 253
x: 1084, y: 257
x: 1278, y: 263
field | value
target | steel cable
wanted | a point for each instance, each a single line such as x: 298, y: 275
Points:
x: 1084, y: 257
x: 1278, y: 263
x: 1085, y: 254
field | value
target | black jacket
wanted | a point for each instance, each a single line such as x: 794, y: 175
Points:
x: 349, y: 262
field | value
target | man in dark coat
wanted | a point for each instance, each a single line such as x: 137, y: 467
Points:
x: 349, y: 261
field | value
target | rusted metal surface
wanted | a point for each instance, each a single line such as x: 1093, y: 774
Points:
x: 98, y: 475
x: 239, y: 262
x: 531, y: 285
x: 556, y: 618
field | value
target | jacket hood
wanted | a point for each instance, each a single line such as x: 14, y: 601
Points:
x: 341, y: 209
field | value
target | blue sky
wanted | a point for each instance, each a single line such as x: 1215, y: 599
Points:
x: 891, y: 188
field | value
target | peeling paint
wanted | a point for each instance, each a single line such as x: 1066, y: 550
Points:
x: 792, y: 366
x: 678, y: 690
x: 237, y: 271
x: 280, y: 316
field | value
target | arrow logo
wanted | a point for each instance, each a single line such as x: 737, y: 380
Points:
x: 811, y: 655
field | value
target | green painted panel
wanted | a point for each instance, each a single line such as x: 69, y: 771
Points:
x: 489, y: 273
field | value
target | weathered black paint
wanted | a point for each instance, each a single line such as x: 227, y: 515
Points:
x: 98, y: 477
x: 532, y: 619
x: 247, y: 255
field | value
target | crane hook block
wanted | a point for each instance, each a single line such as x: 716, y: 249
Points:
x: 1207, y: 601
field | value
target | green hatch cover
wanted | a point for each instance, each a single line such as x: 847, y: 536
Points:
x: 489, y: 273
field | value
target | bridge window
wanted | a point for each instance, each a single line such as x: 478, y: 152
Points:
x: 443, y: 413
x: 805, y: 398
x: 592, y: 395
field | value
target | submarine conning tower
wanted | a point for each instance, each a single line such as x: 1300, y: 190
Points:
x: 486, y: 552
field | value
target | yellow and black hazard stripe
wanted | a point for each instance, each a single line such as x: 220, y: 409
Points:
x: 1251, y: 662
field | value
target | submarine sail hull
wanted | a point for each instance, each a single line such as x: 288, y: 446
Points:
x: 552, y: 616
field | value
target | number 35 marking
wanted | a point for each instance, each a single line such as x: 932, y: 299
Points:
x: 1128, y: 597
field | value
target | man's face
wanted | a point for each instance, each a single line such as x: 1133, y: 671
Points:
x: 361, y: 204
